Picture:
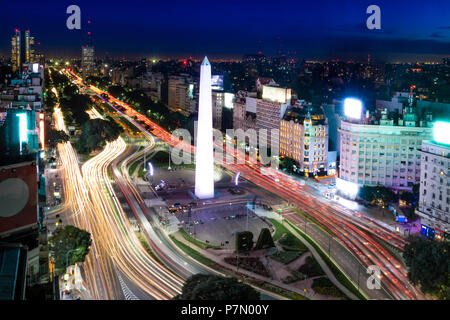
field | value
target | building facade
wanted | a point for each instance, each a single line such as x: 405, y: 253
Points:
x: 434, y: 199
x: 304, y: 138
x: 87, y: 60
x: 22, y: 51
x: 270, y: 110
x: 218, y: 100
x: 182, y: 94
x: 381, y: 154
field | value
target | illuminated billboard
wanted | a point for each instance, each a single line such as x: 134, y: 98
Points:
x: 276, y: 94
x: 353, y: 108
x: 228, y: 100
x: 18, y: 196
x: 191, y: 91
x: 35, y: 67
x: 441, y: 132
x: 23, y: 129
x: 347, y: 188
x: 217, y: 82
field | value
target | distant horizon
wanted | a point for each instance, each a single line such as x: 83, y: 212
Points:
x: 410, y: 30
x: 403, y: 58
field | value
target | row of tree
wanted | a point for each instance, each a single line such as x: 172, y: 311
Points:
x: 95, y: 134
x: 428, y: 263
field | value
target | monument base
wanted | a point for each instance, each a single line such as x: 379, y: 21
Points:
x: 193, y: 196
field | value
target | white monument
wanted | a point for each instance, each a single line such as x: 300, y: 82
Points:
x: 204, y: 156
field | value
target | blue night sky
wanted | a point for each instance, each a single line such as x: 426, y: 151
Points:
x: 228, y: 28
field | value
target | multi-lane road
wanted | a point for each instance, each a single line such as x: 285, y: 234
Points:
x: 360, y: 236
x: 117, y: 256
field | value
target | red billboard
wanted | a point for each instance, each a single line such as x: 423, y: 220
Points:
x: 18, y: 197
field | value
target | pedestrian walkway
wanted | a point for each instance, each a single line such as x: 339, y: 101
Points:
x: 308, y: 294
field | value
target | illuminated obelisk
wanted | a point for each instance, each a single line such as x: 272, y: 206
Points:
x: 204, y: 157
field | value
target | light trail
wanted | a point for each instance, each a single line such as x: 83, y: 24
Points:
x: 115, y: 245
x: 358, y: 236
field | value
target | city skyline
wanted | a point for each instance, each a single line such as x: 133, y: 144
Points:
x: 287, y: 154
x: 297, y: 29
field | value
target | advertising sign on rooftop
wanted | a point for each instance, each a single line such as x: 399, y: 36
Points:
x: 217, y: 82
x: 276, y: 94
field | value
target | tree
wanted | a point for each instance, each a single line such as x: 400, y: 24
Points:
x: 56, y: 136
x: 212, y: 287
x: 264, y: 240
x: 287, y: 163
x: 429, y: 264
x: 244, y: 241
x: 95, y: 134
x: 65, y: 239
x: 379, y: 194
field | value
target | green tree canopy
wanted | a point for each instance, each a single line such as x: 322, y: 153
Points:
x: 212, y: 287
x: 95, y: 134
x: 379, y: 193
x: 68, y: 238
x: 429, y: 265
x: 56, y: 136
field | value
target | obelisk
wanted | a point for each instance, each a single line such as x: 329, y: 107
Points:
x: 204, y: 154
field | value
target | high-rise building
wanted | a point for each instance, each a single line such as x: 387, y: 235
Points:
x: 218, y: 100
x: 22, y: 51
x: 434, y: 198
x: 87, y: 60
x: 182, y: 94
x: 304, y: 138
x: 204, y: 154
x: 378, y: 151
x: 270, y: 110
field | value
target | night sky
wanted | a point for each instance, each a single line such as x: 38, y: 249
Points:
x: 319, y: 29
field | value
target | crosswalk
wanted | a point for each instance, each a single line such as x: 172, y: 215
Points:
x: 126, y: 291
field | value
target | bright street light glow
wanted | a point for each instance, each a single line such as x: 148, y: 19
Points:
x: 346, y: 187
x: 441, y: 132
x: 150, y: 169
x: 353, y: 108
x: 23, y: 136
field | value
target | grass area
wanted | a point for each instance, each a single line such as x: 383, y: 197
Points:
x: 147, y: 248
x: 324, y: 286
x: 311, y: 268
x: 198, y: 243
x: 313, y: 220
x: 340, y: 276
x: 285, y: 293
x: 286, y: 238
x: 291, y: 243
x: 192, y: 253
x: 141, y: 172
x: 200, y: 258
x: 295, y: 275
x: 286, y: 257
x: 279, y: 229
x: 132, y: 168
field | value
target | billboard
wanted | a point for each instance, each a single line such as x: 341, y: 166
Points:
x: 440, y: 132
x: 18, y: 196
x: 353, y: 108
x: 217, y: 82
x: 276, y: 94
x: 228, y: 100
